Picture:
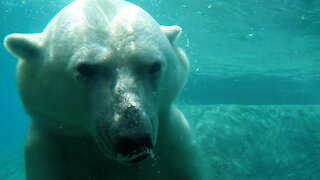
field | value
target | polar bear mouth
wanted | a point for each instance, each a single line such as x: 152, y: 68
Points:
x: 136, y: 157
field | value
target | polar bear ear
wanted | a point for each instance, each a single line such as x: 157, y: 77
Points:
x: 24, y: 46
x: 172, y: 32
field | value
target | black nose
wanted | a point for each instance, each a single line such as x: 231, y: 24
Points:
x: 132, y: 145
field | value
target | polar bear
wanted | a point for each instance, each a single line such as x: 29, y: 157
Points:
x: 99, y: 84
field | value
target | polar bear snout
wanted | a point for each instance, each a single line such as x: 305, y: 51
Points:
x: 125, y: 125
x: 133, y: 149
x: 132, y: 137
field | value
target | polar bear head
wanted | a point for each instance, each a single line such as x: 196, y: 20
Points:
x: 101, y: 68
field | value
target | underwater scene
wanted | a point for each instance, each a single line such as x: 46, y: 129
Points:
x: 252, y: 98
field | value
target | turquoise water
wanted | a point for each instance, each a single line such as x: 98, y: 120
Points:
x: 262, y: 55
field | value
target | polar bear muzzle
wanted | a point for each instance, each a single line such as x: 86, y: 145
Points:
x: 133, y: 149
x: 128, y: 139
x: 126, y: 123
x: 131, y: 134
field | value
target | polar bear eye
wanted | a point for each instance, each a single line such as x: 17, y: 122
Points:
x: 86, y: 70
x: 155, y: 68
